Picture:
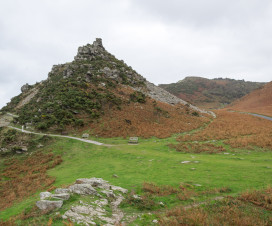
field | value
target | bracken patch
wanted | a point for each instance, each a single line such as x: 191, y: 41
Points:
x: 23, y: 177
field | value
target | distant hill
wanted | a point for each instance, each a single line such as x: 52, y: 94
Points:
x: 101, y: 95
x: 210, y: 93
x: 259, y: 101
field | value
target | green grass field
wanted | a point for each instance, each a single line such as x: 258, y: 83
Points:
x: 153, y: 161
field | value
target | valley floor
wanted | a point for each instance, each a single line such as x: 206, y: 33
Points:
x: 160, y: 173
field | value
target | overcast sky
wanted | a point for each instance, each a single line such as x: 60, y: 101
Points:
x: 165, y: 41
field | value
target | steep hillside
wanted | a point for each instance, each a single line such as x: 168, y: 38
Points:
x: 102, y: 95
x: 210, y: 93
x: 259, y: 101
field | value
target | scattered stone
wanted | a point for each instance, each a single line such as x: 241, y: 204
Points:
x: 155, y: 221
x: 48, y: 205
x: 185, y: 162
x: 85, y: 135
x: 226, y: 153
x: 136, y: 197
x: 161, y: 203
x: 114, y: 175
x: 133, y: 140
x: 197, y: 185
x: 193, y: 169
x: 195, y: 161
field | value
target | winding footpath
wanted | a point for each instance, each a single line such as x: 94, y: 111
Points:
x: 56, y: 135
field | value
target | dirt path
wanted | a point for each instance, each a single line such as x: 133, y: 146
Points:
x: 56, y: 135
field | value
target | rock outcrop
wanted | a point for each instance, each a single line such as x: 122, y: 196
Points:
x: 101, y: 196
x: 25, y: 87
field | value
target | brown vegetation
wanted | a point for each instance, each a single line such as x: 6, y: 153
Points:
x: 163, y: 190
x: 145, y: 119
x: 258, y: 101
x: 232, y: 211
x: 23, y: 177
x: 237, y: 130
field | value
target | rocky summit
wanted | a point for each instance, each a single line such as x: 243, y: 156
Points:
x: 99, y: 92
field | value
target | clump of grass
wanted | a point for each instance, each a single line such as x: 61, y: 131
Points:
x: 163, y: 190
x: 145, y: 202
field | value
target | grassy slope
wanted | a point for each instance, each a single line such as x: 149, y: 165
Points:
x: 153, y: 161
x: 258, y: 101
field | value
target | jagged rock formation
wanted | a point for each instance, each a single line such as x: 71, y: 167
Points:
x: 101, y: 195
x: 95, y: 89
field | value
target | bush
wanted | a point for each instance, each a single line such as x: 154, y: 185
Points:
x: 138, y: 97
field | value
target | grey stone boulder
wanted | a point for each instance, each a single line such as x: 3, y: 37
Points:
x: 82, y: 189
x: 95, y: 182
x: 49, y: 205
x: 63, y: 196
x: 45, y: 195
x: 85, y: 135
x: 61, y: 190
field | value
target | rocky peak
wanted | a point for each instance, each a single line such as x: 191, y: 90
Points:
x: 88, y: 52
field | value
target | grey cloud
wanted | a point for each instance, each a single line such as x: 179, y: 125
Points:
x: 163, y: 40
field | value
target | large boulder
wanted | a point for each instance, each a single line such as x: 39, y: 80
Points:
x: 48, y: 205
